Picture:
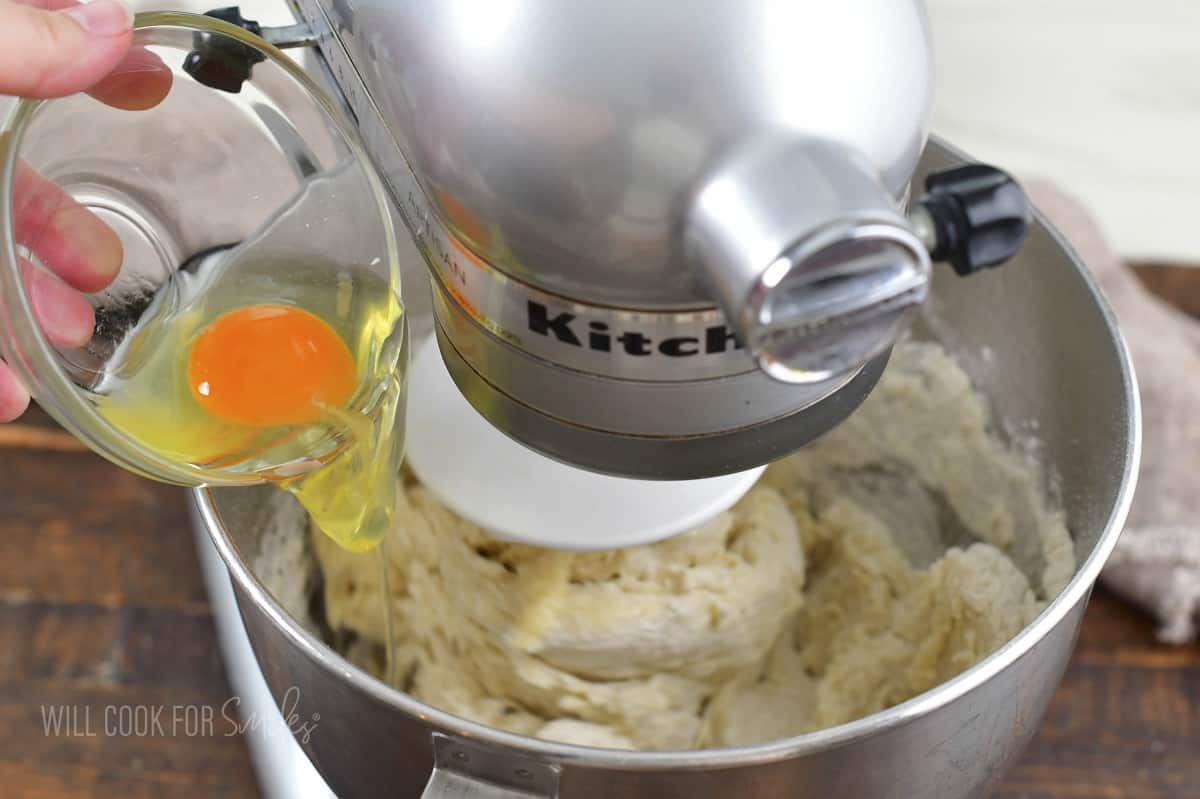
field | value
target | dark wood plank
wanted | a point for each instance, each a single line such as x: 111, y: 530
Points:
x: 1178, y: 285
x: 75, y: 528
x: 102, y: 606
x: 1125, y: 722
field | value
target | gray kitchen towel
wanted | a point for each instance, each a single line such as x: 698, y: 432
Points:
x: 1156, y: 563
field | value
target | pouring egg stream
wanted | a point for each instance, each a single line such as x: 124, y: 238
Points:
x: 289, y: 375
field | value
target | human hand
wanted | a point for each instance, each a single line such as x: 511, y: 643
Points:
x: 54, y: 48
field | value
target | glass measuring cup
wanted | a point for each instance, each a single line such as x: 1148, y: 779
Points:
x: 222, y: 194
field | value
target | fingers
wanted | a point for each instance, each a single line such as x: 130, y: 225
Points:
x: 141, y: 80
x: 52, y: 53
x: 14, y: 399
x: 66, y: 319
x: 64, y: 314
x: 67, y: 237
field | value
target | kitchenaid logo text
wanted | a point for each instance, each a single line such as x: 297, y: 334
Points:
x: 177, y: 721
x: 600, y: 337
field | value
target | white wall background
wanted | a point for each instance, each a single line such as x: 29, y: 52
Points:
x: 1102, y: 96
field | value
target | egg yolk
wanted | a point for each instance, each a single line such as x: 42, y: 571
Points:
x: 267, y: 365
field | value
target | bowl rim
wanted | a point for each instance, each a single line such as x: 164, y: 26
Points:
x: 1076, y: 591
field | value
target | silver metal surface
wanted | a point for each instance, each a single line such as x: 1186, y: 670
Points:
x: 467, y: 770
x: 617, y: 343
x: 1036, y: 335
x: 816, y: 286
x: 553, y: 162
x: 562, y: 142
x: 688, y: 455
x: 923, y: 226
x: 289, y: 36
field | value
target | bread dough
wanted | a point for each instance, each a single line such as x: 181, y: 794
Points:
x: 885, y: 558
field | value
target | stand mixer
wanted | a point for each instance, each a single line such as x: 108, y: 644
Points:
x: 675, y: 241
x: 668, y: 241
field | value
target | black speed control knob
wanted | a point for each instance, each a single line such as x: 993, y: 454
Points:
x: 978, y: 217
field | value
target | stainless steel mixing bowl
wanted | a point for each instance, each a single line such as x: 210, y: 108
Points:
x: 1040, y: 342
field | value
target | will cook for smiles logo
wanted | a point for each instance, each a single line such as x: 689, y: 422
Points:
x: 172, y: 721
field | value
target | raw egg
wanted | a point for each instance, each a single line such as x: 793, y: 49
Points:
x: 269, y: 365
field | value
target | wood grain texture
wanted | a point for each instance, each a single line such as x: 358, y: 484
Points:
x: 102, y: 605
x: 1178, y: 285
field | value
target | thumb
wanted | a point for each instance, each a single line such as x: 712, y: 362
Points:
x: 54, y: 53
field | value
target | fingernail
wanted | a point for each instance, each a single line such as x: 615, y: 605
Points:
x: 103, y: 17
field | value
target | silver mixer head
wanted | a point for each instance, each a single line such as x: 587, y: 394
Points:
x: 667, y: 240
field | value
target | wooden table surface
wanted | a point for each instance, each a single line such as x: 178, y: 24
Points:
x: 102, y: 606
